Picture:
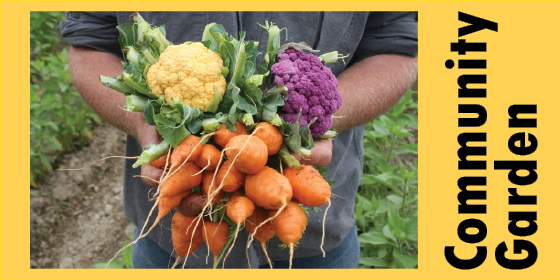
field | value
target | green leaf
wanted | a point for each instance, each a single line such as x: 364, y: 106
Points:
x: 247, y: 120
x: 210, y: 124
x: 213, y: 106
x: 287, y: 158
x: 363, y: 204
x: 253, y: 94
x: 134, y: 79
x: 230, y: 101
x: 373, y: 262
x: 54, y: 143
x: 387, y: 179
x: 215, y: 34
x: 135, y: 103
x: 273, y: 100
x: 152, y: 153
x: 195, y: 125
x: 152, y: 108
x: 251, y: 52
x: 306, y: 137
x: 395, y: 199
x: 272, y: 46
x: 387, y: 233
x: 167, y: 119
x: 127, y: 254
x: 116, y: 83
x: 173, y: 135
x: 373, y: 238
x: 246, y: 106
x: 396, y: 224
x: 45, y: 164
x: 126, y: 37
x: 187, y: 113
x: 405, y: 260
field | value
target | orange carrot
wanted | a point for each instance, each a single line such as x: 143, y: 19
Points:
x: 268, y: 188
x: 290, y: 225
x: 248, y: 153
x: 266, y: 231
x: 172, y: 190
x: 263, y: 233
x: 229, y: 177
x: 238, y: 209
x: 167, y: 203
x: 188, y: 150
x: 209, y: 157
x: 160, y: 162
x: 215, y: 235
x: 223, y: 134
x: 208, y: 187
x: 309, y: 187
x: 181, y: 180
x: 186, y: 237
x: 270, y: 135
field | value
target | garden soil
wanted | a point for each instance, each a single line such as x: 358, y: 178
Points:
x: 77, y: 219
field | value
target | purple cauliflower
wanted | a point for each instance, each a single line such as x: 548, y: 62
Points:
x: 311, y: 87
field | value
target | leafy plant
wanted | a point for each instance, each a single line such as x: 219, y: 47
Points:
x: 387, y: 201
x: 44, y: 37
x: 60, y: 121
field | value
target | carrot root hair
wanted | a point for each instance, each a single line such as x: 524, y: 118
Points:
x: 177, y: 261
x: 324, y: 220
x: 291, y: 254
x: 140, y: 235
x: 231, y: 247
x: 211, y: 196
x: 252, y: 237
x: 94, y: 162
x: 263, y: 246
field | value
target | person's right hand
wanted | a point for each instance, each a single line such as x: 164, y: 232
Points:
x: 148, y: 135
x: 191, y: 204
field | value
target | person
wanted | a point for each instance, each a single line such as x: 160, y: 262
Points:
x: 381, y: 66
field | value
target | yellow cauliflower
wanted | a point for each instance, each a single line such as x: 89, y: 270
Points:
x: 189, y: 72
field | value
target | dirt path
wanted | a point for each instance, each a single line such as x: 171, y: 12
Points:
x: 76, y: 216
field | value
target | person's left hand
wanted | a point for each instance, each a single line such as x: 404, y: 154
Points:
x: 321, y: 153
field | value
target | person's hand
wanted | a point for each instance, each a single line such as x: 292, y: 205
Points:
x: 191, y: 205
x: 321, y: 154
x: 148, y: 135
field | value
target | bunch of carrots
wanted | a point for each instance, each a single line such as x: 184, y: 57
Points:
x: 229, y: 169
x: 236, y: 156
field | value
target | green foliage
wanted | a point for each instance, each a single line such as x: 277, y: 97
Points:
x: 387, y: 201
x: 60, y: 121
x: 44, y: 37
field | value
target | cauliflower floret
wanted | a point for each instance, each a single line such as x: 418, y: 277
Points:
x: 311, y: 87
x: 188, y: 72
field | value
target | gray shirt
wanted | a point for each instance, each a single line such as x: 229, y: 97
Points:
x: 359, y: 34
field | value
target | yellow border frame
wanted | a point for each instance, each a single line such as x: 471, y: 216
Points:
x: 523, y: 68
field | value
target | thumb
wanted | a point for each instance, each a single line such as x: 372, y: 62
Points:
x: 149, y: 136
x: 191, y: 205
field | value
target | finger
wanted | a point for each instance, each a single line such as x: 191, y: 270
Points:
x: 191, y: 205
x: 321, y: 154
x: 149, y: 135
x: 150, y: 175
